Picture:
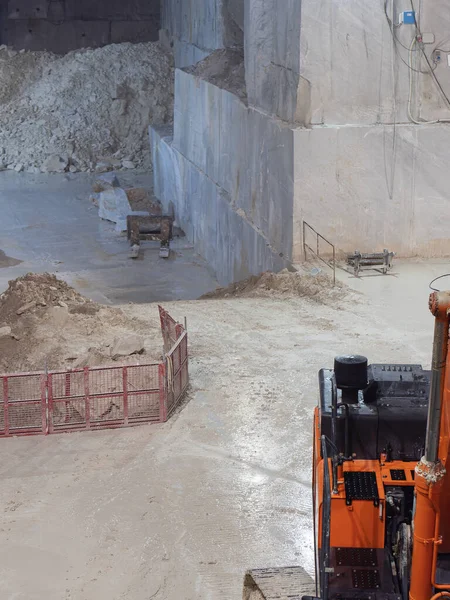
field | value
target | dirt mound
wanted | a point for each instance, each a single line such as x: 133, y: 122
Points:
x: 46, y: 324
x: 89, y: 106
x: 34, y: 291
x: 225, y: 69
x: 284, y: 285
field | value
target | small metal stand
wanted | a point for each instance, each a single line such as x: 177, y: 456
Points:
x: 376, y: 261
x: 151, y: 227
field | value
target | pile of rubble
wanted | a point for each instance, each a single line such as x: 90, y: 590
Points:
x: 46, y: 324
x: 86, y: 111
x: 316, y: 286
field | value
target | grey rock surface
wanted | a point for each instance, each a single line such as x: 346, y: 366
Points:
x: 323, y: 134
x: 186, y: 54
x: 25, y: 308
x: 355, y: 192
x: 127, y: 345
x: 55, y: 163
x: 246, y: 153
x: 199, y: 27
x: 103, y: 167
x: 113, y: 205
x: 233, y: 246
x: 128, y: 164
x: 272, y: 57
x: 5, y: 331
x: 105, y: 181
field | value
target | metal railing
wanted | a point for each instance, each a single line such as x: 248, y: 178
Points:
x: 316, y: 252
x: 97, y: 397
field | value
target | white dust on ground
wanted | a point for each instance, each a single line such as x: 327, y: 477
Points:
x: 57, y: 328
x: 86, y: 106
x: 182, y: 510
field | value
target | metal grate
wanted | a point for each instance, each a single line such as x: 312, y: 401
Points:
x: 22, y: 404
x: 356, y: 557
x: 365, y: 579
x: 143, y: 394
x: 361, y: 485
x: 105, y: 397
x: 398, y: 475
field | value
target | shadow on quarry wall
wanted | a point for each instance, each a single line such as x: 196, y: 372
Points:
x: 233, y: 15
x: 63, y: 25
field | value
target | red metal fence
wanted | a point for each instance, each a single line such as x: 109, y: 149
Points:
x: 100, y: 397
x: 176, y: 364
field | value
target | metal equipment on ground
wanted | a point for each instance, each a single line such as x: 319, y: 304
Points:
x: 151, y: 227
x: 377, y: 261
x: 381, y: 490
x: 284, y: 583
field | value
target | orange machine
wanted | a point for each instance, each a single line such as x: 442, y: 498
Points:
x: 380, y: 487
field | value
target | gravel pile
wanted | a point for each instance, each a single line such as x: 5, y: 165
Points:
x: 86, y: 111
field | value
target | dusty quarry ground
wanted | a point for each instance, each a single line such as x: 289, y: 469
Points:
x: 181, y: 510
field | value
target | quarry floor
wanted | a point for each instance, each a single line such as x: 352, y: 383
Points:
x: 181, y: 510
x: 49, y: 223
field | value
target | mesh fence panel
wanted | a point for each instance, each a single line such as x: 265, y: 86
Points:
x: 23, y: 403
x: 67, y: 406
x: 104, y: 409
x: 143, y: 392
x: 170, y: 329
x: 101, y: 397
x: 32, y: 403
x: 106, y: 396
x: 178, y: 373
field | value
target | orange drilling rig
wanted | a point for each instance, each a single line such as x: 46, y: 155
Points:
x: 381, y: 482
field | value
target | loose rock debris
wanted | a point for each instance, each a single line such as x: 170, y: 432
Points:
x: 46, y: 324
x: 86, y: 111
x: 285, y: 284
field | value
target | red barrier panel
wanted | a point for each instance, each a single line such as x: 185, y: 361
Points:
x: 178, y: 373
x: 23, y: 404
x: 170, y: 329
x: 97, y: 398
x: 103, y: 397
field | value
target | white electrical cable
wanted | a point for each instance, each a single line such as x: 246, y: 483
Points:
x: 390, y: 183
x: 411, y: 118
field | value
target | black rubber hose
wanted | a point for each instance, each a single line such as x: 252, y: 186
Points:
x: 326, y: 522
x: 437, y: 279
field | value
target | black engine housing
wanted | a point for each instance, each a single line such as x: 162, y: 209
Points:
x: 390, y: 416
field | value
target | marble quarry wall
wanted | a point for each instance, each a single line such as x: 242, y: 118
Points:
x: 337, y: 127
